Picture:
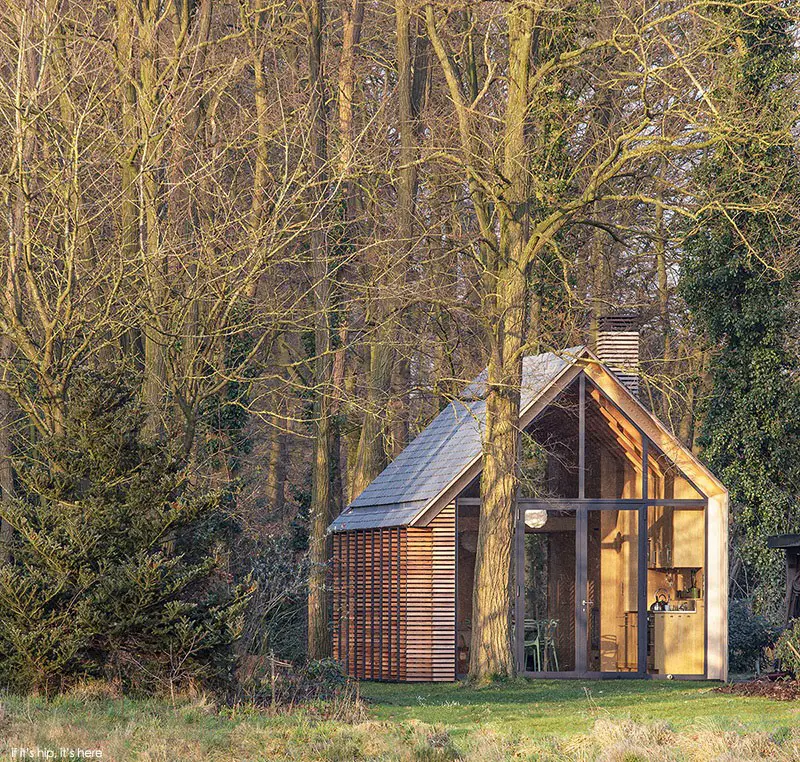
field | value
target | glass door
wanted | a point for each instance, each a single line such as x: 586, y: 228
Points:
x: 592, y: 550
x: 612, y: 590
x: 547, y: 637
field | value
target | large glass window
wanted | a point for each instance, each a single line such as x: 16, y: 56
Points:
x: 676, y: 545
x: 549, y: 591
x: 588, y: 598
x: 613, y: 450
x: 612, y: 590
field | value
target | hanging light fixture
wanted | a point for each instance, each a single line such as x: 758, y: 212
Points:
x: 536, y: 518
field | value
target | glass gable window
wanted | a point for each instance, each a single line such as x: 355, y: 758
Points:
x: 665, y: 481
x: 613, y: 450
x: 549, y: 451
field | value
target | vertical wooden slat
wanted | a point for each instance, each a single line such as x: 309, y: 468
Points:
x: 373, y: 609
x: 348, y: 596
x: 342, y: 607
x: 388, y: 600
x: 382, y: 626
x: 394, y: 601
x: 369, y: 608
x: 356, y: 579
x: 336, y: 618
x: 366, y: 645
x: 362, y: 568
x: 402, y: 580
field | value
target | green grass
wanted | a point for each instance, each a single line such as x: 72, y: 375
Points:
x: 571, y: 706
x: 614, y: 721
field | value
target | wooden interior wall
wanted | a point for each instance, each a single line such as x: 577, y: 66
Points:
x: 394, y: 589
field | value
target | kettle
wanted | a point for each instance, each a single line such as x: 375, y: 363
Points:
x: 660, y: 603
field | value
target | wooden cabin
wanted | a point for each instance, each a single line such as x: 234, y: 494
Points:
x: 621, y: 549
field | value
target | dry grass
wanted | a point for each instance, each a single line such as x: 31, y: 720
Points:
x: 198, y: 730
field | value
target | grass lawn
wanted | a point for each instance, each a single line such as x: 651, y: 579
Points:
x: 613, y: 721
x: 565, y: 707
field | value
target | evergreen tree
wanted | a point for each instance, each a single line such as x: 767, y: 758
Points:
x: 113, y: 572
x: 740, y: 279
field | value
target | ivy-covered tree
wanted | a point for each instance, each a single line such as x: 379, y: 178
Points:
x: 113, y: 570
x: 740, y: 279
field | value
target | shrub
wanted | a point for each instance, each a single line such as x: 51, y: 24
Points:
x: 275, y: 620
x: 748, y: 635
x: 112, y: 572
x: 326, y: 675
x: 320, y: 687
x: 787, y: 648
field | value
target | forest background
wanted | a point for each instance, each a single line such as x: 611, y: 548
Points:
x: 252, y: 247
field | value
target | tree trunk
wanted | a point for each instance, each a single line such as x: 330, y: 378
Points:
x: 601, y: 272
x: 352, y: 22
x: 276, y: 468
x: 412, y: 75
x: 663, y: 294
x: 6, y: 453
x: 398, y: 406
x: 128, y: 171
x: 407, y: 171
x: 352, y: 19
x: 321, y: 492
x: 371, y: 454
x: 151, y: 195
x: 491, y: 654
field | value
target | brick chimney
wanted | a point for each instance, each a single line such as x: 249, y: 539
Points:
x: 618, y: 347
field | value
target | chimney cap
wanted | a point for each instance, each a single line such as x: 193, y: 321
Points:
x: 619, y: 321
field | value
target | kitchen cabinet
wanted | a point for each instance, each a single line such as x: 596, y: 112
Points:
x: 676, y: 538
x: 688, y: 539
x: 678, y: 641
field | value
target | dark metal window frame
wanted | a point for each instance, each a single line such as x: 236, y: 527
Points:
x: 582, y: 506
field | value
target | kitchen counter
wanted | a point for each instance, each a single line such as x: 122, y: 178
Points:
x: 676, y: 611
x: 679, y: 641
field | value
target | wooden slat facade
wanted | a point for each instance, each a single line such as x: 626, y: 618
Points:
x: 394, y: 597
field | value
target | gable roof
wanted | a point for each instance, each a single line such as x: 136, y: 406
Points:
x: 446, y: 455
x: 443, y: 451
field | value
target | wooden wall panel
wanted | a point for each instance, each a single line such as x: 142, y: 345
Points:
x: 443, y: 528
x: 419, y: 604
x: 394, y: 601
x: 368, y: 608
